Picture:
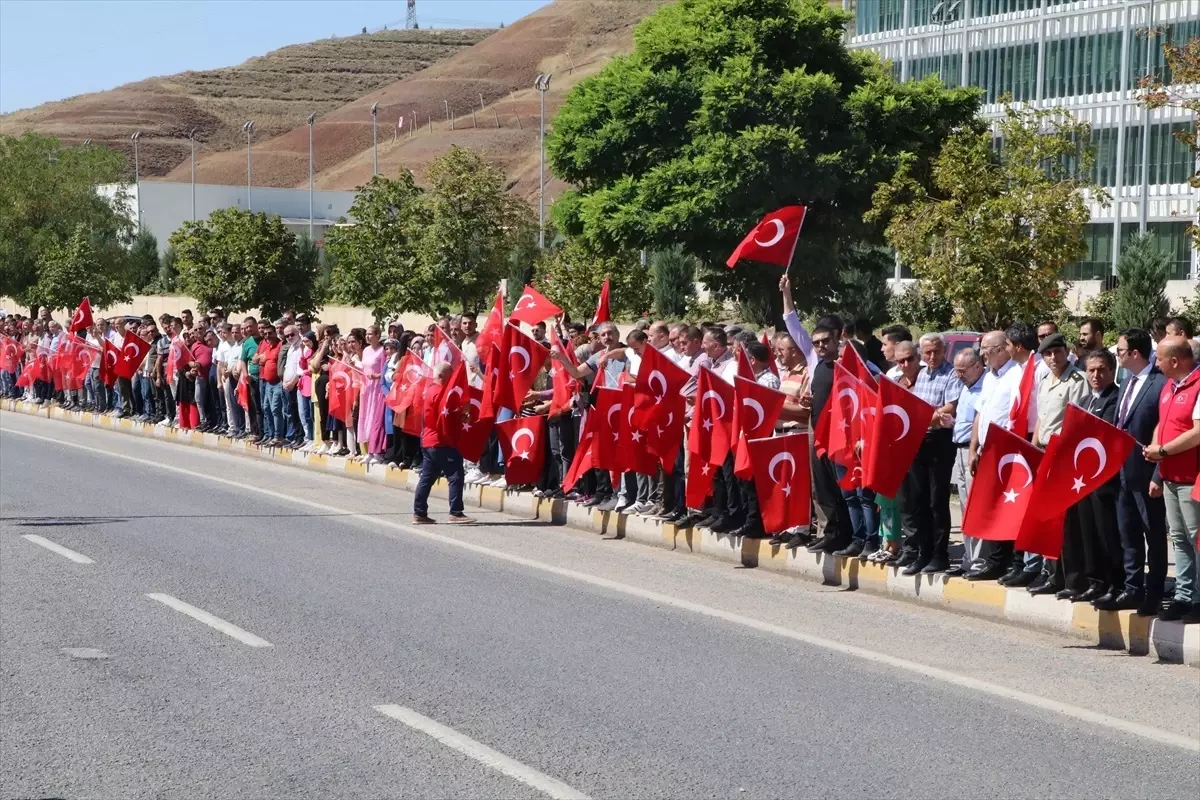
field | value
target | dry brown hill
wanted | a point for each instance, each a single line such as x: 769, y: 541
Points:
x: 570, y: 38
x: 277, y: 90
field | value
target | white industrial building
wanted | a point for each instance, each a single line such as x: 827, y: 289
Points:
x: 162, y: 206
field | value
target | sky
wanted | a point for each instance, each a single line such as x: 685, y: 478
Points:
x: 54, y: 49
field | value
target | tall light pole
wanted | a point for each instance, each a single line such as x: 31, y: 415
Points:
x: 248, y: 129
x: 137, y: 176
x: 942, y: 15
x: 1144, y: 206
x: 542, y: 84
x: 312, y: 118
x: 192, y: 140
x: 375, y: 136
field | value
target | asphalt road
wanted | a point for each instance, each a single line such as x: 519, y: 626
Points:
x: 515, y: 659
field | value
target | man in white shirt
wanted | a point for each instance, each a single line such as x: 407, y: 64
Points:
x: 228, y: 357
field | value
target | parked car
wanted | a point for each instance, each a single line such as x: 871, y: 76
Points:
x: 960, y: 340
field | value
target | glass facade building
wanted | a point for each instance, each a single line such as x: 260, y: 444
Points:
x: 1086, y: 56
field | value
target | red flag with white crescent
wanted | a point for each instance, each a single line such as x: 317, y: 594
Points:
x: 532, y: 307
x: 565, y: 387
x: 899, y: 428
x: 773, y: 240
x: 522, y: 443
x: 493, y: 327
x: 602, y: 312
x: 82, y: 318
x: 1018, y: 415
x: 520, y: 361
x: 782, y: 480
x: 476, y: 426
x: 711, y: 434
x: 755, y: 411
x: 453, y: 402
x: 999, y: 496
x: 133, y: 351
x: 109, y: 358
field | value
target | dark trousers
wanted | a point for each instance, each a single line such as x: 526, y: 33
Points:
x: 838, y: 529
x: 1142, y: 526
x: 1100, y: 544
x: 676, y: 499
x: 925, y: 498
x: 255, y: 415
x: 727, y: 494
x: 436, y: 463
x: 562, y: 451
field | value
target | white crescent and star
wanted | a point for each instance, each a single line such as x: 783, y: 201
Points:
x: 1014, y: 458
x: 1090, y: 443
x: 853, y: 395
x: 720, y: 401
x: 779, y: 458
x: 757, y: 406
x: 112, y: 353
x: 522, y: 299
x: 516, y: 437
x: 615, y: 407
x: 662, y: 379
x: 774, y: 240
x: 524, y: 354
x: 902, y: 415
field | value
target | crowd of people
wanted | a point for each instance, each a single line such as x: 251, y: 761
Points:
x: 278, y: 384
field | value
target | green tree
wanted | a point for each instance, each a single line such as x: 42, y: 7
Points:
x: 993, y: 232
x: 919, y: 306
x: 47, y: 194
x: 674, y: 273
x: 375, y: 261
x: 76, y: 268
x: 144, y: 264
x: 1171, y: 89
x: 863, y: 289
x: 727, y: 109
x: 1141, y: 293
x: 571, y: 276
x: 240, y: 260
x: 168, y: 273
x: 473, y: 226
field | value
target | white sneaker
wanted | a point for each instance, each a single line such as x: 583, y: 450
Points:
x: 473, y: 477
x: 499, y: 483
x: 162, y: 423
x: 641, y: 508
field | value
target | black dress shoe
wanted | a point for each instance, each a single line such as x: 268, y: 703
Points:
x: 914, y: 567
x: 986, y: 574
x: 796, y: 541
x: 1150, y: 607
x: 1175, y: 612
x: 1012, y: 575
x: 779, y: 539
x: 750, y: 530
x: 723, y: 525
x: 1049, y: 587
x: 1024, y: 579
x: 955, y: 571
x: 816, y: 545
x: 936, y: 565
x: 906, y: 560
x: 852, y: 550
x: 1067, y: 594
x: 1090, y: 594
x: 1124, y: 601
x: 707, y: 521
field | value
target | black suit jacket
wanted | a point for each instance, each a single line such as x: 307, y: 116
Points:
x: 1104, y: 406
x: 1140, y: 421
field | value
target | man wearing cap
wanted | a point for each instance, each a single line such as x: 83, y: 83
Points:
x: 1061, y: 386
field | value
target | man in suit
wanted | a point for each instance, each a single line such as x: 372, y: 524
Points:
x: 1141, y: 518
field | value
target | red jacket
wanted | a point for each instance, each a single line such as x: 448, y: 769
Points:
x: 433, y: 400
x: 1175, y: 406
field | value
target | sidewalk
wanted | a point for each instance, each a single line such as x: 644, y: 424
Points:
x: 1167, y: 641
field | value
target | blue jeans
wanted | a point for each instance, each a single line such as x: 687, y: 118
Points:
x: 290, y: 398
x: 272, y: 410
x: 1183, y: 519
x: 306, y: 416
x: 860, y: 503
x: 144, y: 391
x: 436, y: 462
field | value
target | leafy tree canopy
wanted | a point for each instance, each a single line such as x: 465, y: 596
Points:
x: 80, y: 267
x: 997, y: 226
x: 239, y: 260
x: 47, y: 194
x: 727, y: 109
x: 572, y: 275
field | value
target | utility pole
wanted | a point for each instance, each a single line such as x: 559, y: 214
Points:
x: 137, y: 176
x: 410, y: 19
x: 1144, y: 206
x: 248, y: 128
x: 312, y: 118
x: 375, y: 136
x: 192, y: 141
x: 542, y: 84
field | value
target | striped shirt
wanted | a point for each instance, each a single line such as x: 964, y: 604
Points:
x: 939, y: 386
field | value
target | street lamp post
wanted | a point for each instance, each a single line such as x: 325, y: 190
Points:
x: 375, y: 136
x: 137, y: 176
x: 1144, y: 206
x: 248, y: 128
x: 542, y: 84
x: 312, y: 118
x: 192, y: 140
x: 942, y: 15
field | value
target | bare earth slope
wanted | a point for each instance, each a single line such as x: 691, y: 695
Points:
x: 493, y: 79
x: 277, y: 90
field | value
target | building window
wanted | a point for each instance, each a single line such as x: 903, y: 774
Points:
x: 1096, y: 265
x: 1171, y: 161
x: 988, y: 8
x: 877, y: 16
x: 1172, y: 238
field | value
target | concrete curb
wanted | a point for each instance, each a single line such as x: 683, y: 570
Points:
x: 1167, y: 641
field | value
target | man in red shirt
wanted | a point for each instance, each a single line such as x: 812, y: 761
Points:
x: 270, y: 387
x: 439, y: 457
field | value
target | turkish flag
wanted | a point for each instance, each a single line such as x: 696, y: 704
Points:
x: 444, y: 349
x: 823, y: 429
x: 133, y: 350
x: 342, y: 391
x: 1086, y: 454
x: 491, y: 379
x: 524, y: 357
x: 658, y: 380
x: 109, y: 359
x: 476, y: 428
x: 635, y: 436
x: 532, y: 308
x: 901, y: 421
x: 493, y: 327
x: 584, y: 453
x: 84, y: 357
x: 406, y: 396
x: 999, y: 498
x: 608, y: 407
x: 453, y: 401
x: 1018, y: 415
x: 10, y: 354
x: 243, y: 391
x: 744, y: 370
x: 773, y: 241
x: 845, y: 418
x: 522, y: 443
x: 755, y: 412
x: 565, y: 387
x: 177, y: 356
x: 666, y: 432
x: 771, y: 365
x: 38, y: 369
x: 782, y: 480
x: 699, y: 485
x: 602, y: 313
x: 82, y: 318
x: 851, y: 360
x: 711, y: 434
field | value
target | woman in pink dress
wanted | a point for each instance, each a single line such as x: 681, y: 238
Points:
x: 370, y: 403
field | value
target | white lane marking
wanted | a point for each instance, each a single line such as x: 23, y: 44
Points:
x: 894, y: 662
x: 482, y: 753
x: 212, y: 621
x: 54, y: 547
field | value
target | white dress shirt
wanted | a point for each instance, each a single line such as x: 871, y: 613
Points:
x: 996, y: 397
